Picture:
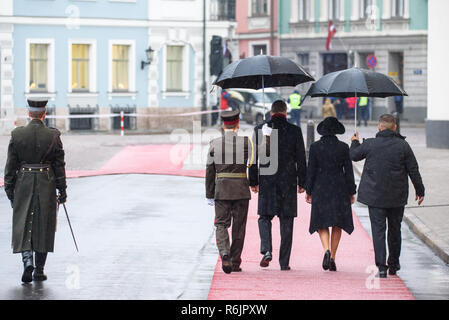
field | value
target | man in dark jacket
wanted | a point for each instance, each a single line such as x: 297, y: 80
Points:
x: 384, y: 188
x: 278, y: 174
x: 227, y: 189
x: 35, y: 168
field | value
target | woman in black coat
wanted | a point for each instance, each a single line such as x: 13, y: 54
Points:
x: 330, y: 188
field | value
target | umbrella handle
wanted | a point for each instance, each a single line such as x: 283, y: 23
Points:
x: 355, y: 113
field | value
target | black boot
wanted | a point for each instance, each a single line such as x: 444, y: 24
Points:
x: 267, y: 257
x: 40, y: 264
x: 28, y: 267
x: 226, y: 264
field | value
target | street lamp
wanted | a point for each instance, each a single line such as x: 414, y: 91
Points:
x: 150, y: 55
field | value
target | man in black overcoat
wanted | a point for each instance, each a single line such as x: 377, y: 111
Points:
x: 384, y: 188
x: 278, y: 175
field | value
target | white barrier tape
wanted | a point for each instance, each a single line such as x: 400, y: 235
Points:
x: 113, y: 115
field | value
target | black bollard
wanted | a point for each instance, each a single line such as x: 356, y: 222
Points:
x: 397, y: 119
x: 310, y: 135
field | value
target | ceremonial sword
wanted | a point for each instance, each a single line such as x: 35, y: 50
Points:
x: 70, y: 225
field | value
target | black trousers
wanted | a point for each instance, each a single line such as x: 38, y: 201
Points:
x: 286, y: 226
x: 379, y: 218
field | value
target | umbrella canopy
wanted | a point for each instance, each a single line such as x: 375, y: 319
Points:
x: 262, y: 72
x: 355, y: 82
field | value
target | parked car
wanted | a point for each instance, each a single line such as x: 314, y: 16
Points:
x: 252, y: 108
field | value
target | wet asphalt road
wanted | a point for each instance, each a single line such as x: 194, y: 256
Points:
x: 140, y: 237
x: 152, y: 237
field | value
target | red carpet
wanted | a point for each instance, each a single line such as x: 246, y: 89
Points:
x: 307, y: 279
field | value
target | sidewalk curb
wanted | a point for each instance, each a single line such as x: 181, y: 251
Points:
x: 431, y: 239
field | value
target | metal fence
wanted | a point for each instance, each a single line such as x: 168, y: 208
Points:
x: 83, y: 123
x: 130, y: 123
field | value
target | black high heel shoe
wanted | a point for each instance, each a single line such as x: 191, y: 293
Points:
x: 332, y: 265
x: 326, y: 260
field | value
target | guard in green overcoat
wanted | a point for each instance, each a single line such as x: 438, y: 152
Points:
x: 35, y: 168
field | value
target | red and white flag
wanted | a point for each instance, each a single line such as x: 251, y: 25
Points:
x: 330, y: 34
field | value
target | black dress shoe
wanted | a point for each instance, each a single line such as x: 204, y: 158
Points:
x: 236, y: 268
x: 392, y: 269
x: 285, y: 268
x: 326, y: 260
x: 381, y: 274
x: 226, y: 264
x: 265, y: 262
x: 332, y: 265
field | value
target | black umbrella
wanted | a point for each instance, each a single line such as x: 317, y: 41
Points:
x: 355, y: 82
x: 260, y: 72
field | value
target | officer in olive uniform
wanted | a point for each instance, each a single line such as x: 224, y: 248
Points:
x: 35, y: 168
x: 227, y: 187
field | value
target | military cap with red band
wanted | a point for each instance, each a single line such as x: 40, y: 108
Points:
x: 230, y: 117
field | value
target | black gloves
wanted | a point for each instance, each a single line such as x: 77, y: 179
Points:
x: 62, y: 197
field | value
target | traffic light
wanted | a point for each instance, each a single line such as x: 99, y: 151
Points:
x: 216, y: 55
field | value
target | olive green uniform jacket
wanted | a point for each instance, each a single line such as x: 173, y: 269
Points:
x: 34, y: 193
x: 227, y: 161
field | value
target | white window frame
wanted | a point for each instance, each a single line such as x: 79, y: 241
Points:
x: 250, y: 8
x: 258, y: 43
x: 185, y: 70
x: 301, y: 10
x: 331, y: 8
x: 92, y: 64
x: 363, y: 13
x: 50, y: 65
x: 131, y: 67
x: 393, y: 9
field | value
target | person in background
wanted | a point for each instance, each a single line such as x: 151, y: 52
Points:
x: 328, y: 109
x: 363, y: 111
x: 340, y: 106
x: 351, y: 107
x: 295, y: 105
x: 330, y: 188
x: 399, y: 104
x: 384, y: 188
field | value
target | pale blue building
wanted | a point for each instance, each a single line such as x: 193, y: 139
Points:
x: 83, y: 55
x: 102, y: 56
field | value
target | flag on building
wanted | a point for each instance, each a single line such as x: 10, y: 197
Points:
x: 330, y: 34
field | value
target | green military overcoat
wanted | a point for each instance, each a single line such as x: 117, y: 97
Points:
x: 34, y: 193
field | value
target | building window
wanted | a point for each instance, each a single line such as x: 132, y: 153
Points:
x: 80, y: 67
x: 259, y: 49
x: 38, y: 67
x: 259, y: 7
x: 334, y: 10
x: 120, y: 67
x: 397, y: 8
x: 366, y: 8
x: 303, y: 60
x: 174, y: 68
x: 304, y: 9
